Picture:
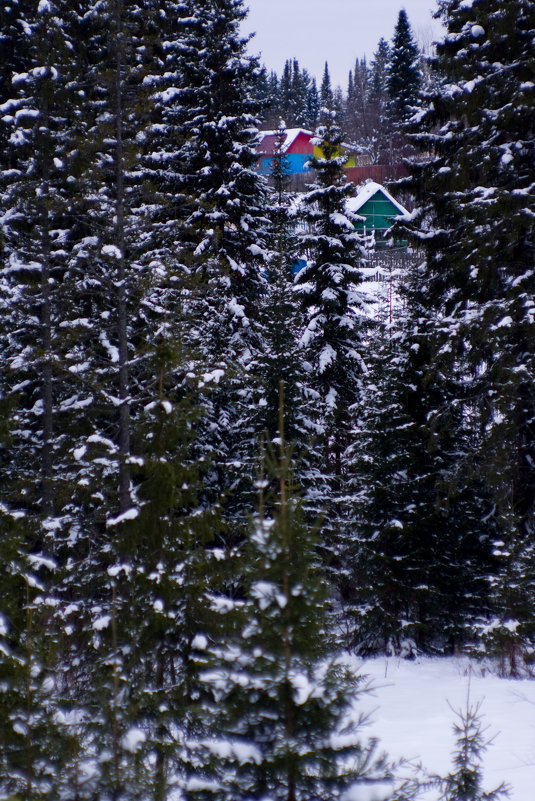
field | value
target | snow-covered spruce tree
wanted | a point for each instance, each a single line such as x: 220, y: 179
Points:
x: 224, y: 235
x: 109, y: 261
x: 313, y: 106
x: 34, y: 748
x: 301, y: 82
x: 358, y: 115
x: 137, y: 563
x: 333, y: 338
x: 147, y: 698
x: 266, y: 92
x: 36, y: 219
x: 36, y: 386
x: 293, y: 99
x: 423, y: 557
x: 375, y: 130
x: 404, y: 74
x: 326, y: 90
x: 280, y: 360
x: 99, y: 294
x: 379, y: 72
x: 286, y: 726
x: 476, y: 197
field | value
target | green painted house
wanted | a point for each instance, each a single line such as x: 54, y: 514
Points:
x: 378, y: 208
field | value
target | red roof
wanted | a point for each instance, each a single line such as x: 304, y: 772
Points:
x: 297, y: 141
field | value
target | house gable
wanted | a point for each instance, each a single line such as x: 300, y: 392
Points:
x: 377, y: 209
x: 377, y: 206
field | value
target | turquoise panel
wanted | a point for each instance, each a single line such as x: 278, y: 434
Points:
x: 378, y: 211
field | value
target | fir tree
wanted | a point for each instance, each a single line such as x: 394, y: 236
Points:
x: 464, y: 783
x: 475, y: 195
x: 313, y: 106
x: 283, y: 692
x: 225, y: 231
x: 333, y: 338
x: 380, y: 116
x: 34, y: 747
x: 329, y: 281
x: 421, y: 567
x: 300, y: 90
x: 36, y: 387
x: 404, y: 75
x: 282, y: 320
x: 287, y: 107
x: 379, y: 72
x: 326, y: 95
x: 36, y: 226
x: 357, y: 117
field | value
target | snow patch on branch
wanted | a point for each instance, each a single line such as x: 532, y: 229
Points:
x: 130, y: 514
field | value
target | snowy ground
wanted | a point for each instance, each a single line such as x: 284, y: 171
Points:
x: 413, y: 718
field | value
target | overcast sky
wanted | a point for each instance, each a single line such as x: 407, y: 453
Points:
x: 338, y: 31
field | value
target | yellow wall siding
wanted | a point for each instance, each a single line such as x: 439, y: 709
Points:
x: 318, y: 154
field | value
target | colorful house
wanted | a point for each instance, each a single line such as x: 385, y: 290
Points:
x: 298, y: 149
x: 378, y: 208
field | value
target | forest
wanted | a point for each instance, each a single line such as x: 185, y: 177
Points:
x: 220, y: 475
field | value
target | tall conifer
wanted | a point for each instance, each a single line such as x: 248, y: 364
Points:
x: 476, y: 199
x: 404, y: 75
x: 224, y: 232
x: 333, y: 337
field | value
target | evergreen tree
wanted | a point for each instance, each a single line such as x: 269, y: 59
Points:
x: 312, y: 106
x: 357, y: 117
x: 224, y: 233
x: 379, y: 72
x: 421, y: 566
x: 300, y: 91
x: 465, y: 782
x: 380, y: 125
x: 34, y: 747
x: 283, y: 692
x: 404, y: 75
x: 37, y: 388
x: 475, y: 195
x: 287, y: 109
x: 265, y: 92
x: 36, y: 226
x: 279, y: 360
x: 333, y: 338
x: 326, y: 95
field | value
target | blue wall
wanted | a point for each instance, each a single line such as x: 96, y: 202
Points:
x: 296, y: 163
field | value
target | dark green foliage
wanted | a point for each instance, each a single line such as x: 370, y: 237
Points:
x: 293, y: 99
x: 421, y: 568
x: 404, y: 75
x: 313, y: 106
x: 328, y: 286
x: 282, y: 691
x: 280, y: 359
x: 379, y: 72
x: 224, y: 235
x: 326, y: 90
x: 154, y: 642
x: 357, y: 119
x: 37, y: 219
x: 476, y: 196
x: 33, y: 748
x: 465, y: 782
x: 332, y: 341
